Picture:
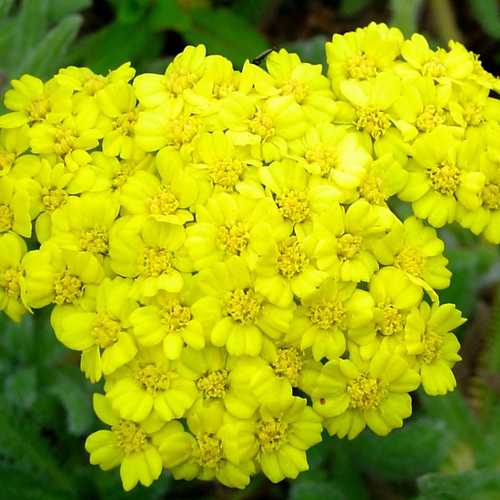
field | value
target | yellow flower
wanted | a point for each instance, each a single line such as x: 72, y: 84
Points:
x: 67, y: 141
x: 335, y: 157
x: 221, y: 167
x: 305, y: 83
x: 440, y: 64
x: 182, y: 74
x: 210, y: 449
x: 15, y: 205
x: 441, y: 177
x: 417, y: 250
x: 12, y: 276
x: 132, y: 446
x: 149, y: 385
x: 103, y: 333
x: 232, y: 225
x: 428, y: 338
x: 288, y: 182
x: 266, y: 126
x: 220, y: 378
x: 327, y: 316
x: 117, y: 101
x: 13, y: 143
x: 362, y: 54
x: 240, y: 318
x: 152, y: 257
x: 33, y: 101
x: 165, y: 198
x: 286, y: 428
x: 345, y: 241
x: 350, y: 397
x: 168, y: 319
x: 287, y: 269
x: 83, y: 224
x: 421, y: 107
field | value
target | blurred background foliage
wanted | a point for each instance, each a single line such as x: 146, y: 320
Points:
x: 449, y: 449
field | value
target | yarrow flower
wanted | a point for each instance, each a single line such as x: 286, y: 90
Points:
x: 221, y: 246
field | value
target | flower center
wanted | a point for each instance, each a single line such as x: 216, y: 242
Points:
x: 262, y: 125
x: 392, y: 322
x: 7, y: 159
x: 411, y: 260
x: 39, y: 108
x: 164, y: 202
x: 94, y: 84
x: 348, y: 246
x: 225, y: 173
x: 328, y: 314
x: 298, y: 90
x: 293, y: 205
x: 64, y: 142
x: 122, y: 176
x: 434, y: 68
x: 365, y: 393
x: 130, y: 437
x: 242, y: 305
x: 491, y: 196
x: 178, y: 82
x: 6, y: 218
x: 323, y: 155
x: 213, y: 384
x: 68, y: 288
x: 175, y: 316
x: 445, y: 178
x: 373, y: 121
x: 154, y: 262
x: 288, y: 363
x: 9, y: 281
x: 153, y: 379
x: 291, y: 259
x: 183, y: 130
x: 233, y: 237
x: 432, y: 347
x: 105, y: 331
x: 126, y: 122
x: 207, y: 451
x: 223, y: 89
x: 472, y: 114
x: 370, y: 190
x: 430, y: 118
x: 94, y: 240
x: 361, y: 67
x: 272, y: 435
x: 53, y: 198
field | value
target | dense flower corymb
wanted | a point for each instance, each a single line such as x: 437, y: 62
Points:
x: 221, y: 246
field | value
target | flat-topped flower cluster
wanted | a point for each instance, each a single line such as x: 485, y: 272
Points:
x: 219, y: 247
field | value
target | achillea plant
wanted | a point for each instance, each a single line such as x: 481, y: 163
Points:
x: 219, y: 245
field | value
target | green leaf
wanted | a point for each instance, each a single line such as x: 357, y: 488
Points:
x: 453, y: 410
x: 130, y: 11
x: 21, y: 387
x: 23, y: 485
x: 17, y: 339
x: 46, y: 59
x: 31, y: 26
x: 226, y: 34
x: 168, y: 15
x: 406, y: 15
x: 5, y: 8
x: 405, y: 453
x: 253, y: 12
x: 475, y: 484
x: 350, y: 8
x: 314, y: 490
x: 463, y: 289
x: 487, y: 13
x: 75, y: 395
x: 59, y: 9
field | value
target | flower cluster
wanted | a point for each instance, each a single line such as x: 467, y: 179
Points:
x: 219, y: 247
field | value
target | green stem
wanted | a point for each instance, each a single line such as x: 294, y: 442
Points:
x: 443, y: 15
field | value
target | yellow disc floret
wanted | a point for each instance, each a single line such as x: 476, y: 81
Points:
x: 130, y: 437
x: 154, y: 262
x: 213, y: 384
x: 272, y: 435
x: 207, y: 451
x: 243, y: 306
x: 288, y: 363
x: 365, y: 393
x: 293, y: 205
x: 68, y: 288
x: 291, y: 258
